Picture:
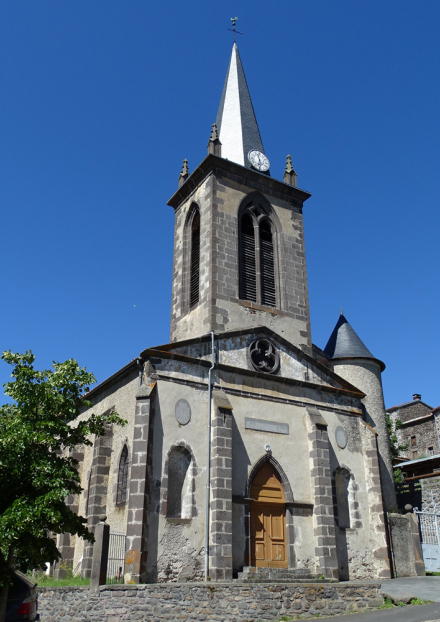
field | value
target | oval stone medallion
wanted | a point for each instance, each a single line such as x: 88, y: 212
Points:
x: 183, y: 412
x: 341, y: 437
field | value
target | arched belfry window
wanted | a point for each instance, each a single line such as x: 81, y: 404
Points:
x: 267, y: 268
x: 121, y: 493
x: 257, y: 256
x: 195, y: 259
x: 248, y: 284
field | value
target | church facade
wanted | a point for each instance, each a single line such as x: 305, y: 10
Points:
x: 246, y: 445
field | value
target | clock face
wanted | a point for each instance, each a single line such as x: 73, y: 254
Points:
x: 258, y: 160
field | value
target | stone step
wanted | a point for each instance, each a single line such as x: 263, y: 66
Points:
x: 271, y: 575
x: 284, y: 581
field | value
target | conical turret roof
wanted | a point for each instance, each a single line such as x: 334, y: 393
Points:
x: 236, y: 121
x: 345, y: 343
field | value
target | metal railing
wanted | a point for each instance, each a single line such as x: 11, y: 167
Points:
x: 429, y: 527
x: 116, y: 558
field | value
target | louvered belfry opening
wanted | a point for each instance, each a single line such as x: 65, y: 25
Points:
x: 248, y: 271
x: 267, y: 268
x: 257, y: 257
x: 195, y: 260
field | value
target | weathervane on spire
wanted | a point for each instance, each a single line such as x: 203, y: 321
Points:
x: 236, y: 32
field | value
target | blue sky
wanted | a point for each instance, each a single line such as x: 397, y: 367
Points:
x: 100, y: 101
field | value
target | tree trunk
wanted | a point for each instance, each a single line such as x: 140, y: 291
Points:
x: 5, y: 588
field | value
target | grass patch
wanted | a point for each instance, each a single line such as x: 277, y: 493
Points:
x: 419, y: 601
x: 71, y: 581
x: 388, y: 603
x: 433, y: 574
x: 42, y: 580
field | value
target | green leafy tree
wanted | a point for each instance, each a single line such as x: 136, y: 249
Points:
x: 396, y: 447
x: 37, y: 430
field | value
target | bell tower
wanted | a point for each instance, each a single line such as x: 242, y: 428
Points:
x: 239, y: 254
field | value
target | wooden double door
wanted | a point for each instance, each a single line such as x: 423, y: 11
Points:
x: 268, y: 520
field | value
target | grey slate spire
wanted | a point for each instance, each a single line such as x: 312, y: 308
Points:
x: 236, y: 122
x: 345, y: 343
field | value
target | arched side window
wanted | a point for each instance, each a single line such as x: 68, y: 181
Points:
x: 89, y: 482
x: 179, y: 498
x: 257, y: 256
x: 195, y: 260
x: 121, y: 492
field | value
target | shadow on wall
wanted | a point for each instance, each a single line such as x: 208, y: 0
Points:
x: 155, y: 491
x: 241, y: 462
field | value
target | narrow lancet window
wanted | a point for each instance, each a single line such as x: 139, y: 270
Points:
x: 179, y: 484
x: 268, y: 295
x: 195, y: 260
x: 248, y: 272
x: 121, y: 494
x: 89, y: 485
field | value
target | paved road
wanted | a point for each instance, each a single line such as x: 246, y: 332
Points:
x: 411, y: 613
x: 426, y: 588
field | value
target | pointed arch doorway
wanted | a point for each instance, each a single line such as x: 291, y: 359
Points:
x: 267, y: 520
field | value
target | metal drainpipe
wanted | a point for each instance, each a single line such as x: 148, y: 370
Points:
x: 208, y: 462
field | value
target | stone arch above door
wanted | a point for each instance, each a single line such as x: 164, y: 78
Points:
x: 268, y: 458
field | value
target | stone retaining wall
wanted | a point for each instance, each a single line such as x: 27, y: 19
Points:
x: 218, y: 602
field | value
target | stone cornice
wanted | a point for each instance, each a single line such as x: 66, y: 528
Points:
x: 232, y: 170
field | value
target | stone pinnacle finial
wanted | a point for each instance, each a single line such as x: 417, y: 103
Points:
x: 290, y: 177
x: 214, y: 132
x: 214, y: 144
x: 184, y: 174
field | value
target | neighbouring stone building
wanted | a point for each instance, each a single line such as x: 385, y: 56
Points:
x: 420, y: 429
x: 294, y: 438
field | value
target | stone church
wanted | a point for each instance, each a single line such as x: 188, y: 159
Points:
x: 246, y: 445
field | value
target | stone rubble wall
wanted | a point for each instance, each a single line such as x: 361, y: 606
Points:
x: 200, y: 602
x: 423, y: 494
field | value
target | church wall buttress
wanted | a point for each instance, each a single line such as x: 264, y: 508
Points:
x: 220, y: 547
x: 137, y: 522
x: 97, y: 490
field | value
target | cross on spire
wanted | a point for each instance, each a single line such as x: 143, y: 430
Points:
x: 236, y: 32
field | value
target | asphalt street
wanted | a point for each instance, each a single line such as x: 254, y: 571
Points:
x: 425, y: 588
x: 410, y: 613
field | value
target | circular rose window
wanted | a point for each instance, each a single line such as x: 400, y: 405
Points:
x: 264, y: 356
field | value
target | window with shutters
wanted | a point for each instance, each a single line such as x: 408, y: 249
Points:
x: 248, y: 281
x: 121, y: 493
x: 267, y: 268
x: 257, y: 257
x: 195, y: 260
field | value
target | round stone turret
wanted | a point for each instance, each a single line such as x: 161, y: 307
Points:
x: 353, y: 361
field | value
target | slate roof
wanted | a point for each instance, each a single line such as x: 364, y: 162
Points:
x: 411, y: 403
x: 345, y: 343
x: 236, y: 121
